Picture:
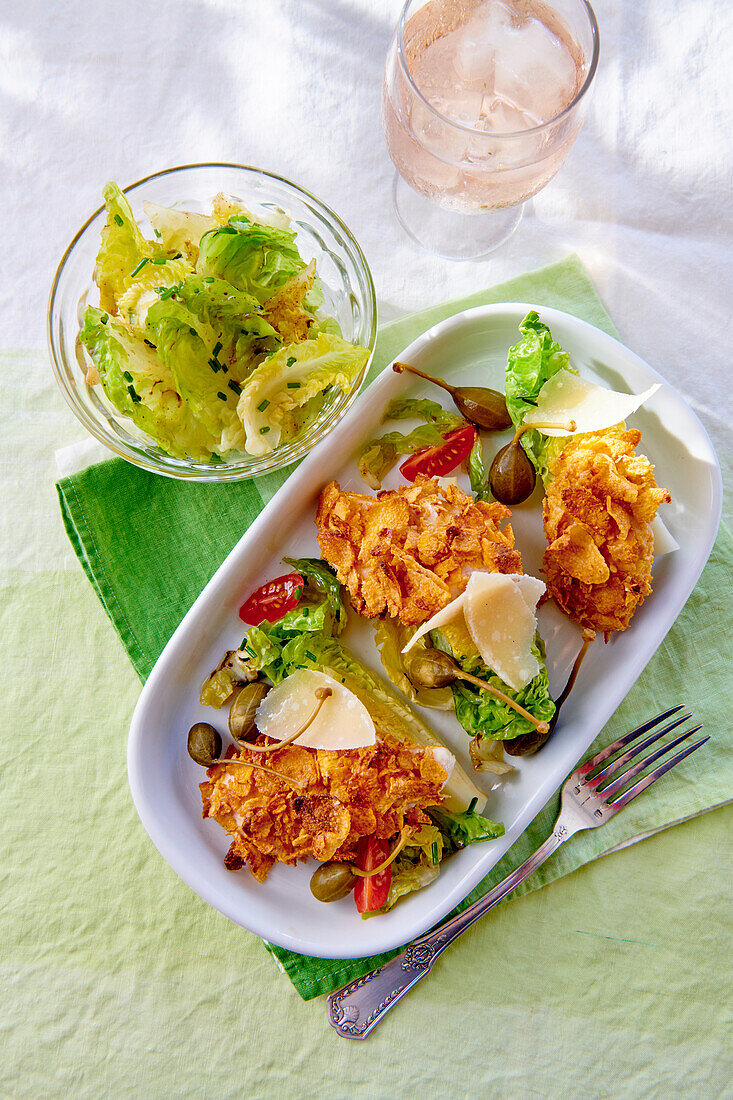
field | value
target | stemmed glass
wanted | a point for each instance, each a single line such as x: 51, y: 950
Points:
x: 482, y: 101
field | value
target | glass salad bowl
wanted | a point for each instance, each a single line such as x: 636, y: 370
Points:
x: 346, y: 282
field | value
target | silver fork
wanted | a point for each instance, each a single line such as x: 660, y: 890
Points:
x: 356, y: 1009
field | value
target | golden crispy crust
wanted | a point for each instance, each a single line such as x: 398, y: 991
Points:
x: 344, y: 796
x: 597, y: 516
x: 408, y: 552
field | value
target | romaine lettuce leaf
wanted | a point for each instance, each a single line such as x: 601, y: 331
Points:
x: 182, y: 344
x: 378, y: 456
x: 286, y: 308
x: 134, y: 303
x: 467, y: 827
x: 258, y: 259
x: 287, y: 382
x: 142, y: 387
x: 477, y: 472
x: 390, y: 637
x: 179, y: 230
x: 123, y: 247
x: 530, y: 363
x: 235, y: 333
x: 482, y: 714
x: 321, y: 585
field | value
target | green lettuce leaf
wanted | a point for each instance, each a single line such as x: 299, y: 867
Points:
x: 482, y: 714
x: 123, y: 247
x: 378, y: 456
x: 179, y: 230
x: 144, y: 285
x: 140, y: 386
x: 530, y: 363
x: 258, y: 259
x: 183, y: 347
x: 321, y: 587
x: 280, y: 393
x: 390, y: 637
x: 477, y: 472
x: 467, y: 827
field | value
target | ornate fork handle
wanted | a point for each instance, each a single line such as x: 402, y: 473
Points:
x: 356, y: 1009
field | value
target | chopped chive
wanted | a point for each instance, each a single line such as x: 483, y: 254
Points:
x: 104, y: 318
x: 528, y: 399
x: 472, y: 807
x: 435, y: 852
x: 149, y: 343
x: 177, y: 255
x: 157, y: 233
x: 138, y: 267
x: 119, y: 220
x: 290, y: 361
x: 159, y: 260
x: 127, y: 376
x: 306, y: 612
x: 208, y: 279
x: 249, y: 649
x: 215, y: 365
x: 133, y: 394
x: 298, y: 593
x: 217, y: 346
x: 293, y: 385
x: 193, y: 331
x: 262, y: 405
x: 234, y: 386
x: 221, y: 396
x: 264, y: 431
x: 310, y: 655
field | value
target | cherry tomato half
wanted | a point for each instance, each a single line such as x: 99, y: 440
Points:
x: 371, y: 893
x: 440, y: 460
x: 272, y: 600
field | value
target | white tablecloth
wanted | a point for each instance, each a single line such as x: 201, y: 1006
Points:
x: 96, y: 90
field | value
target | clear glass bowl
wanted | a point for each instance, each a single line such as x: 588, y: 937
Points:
x: 321, y: 235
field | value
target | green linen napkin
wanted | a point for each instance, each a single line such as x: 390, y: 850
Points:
x: 149, y: 545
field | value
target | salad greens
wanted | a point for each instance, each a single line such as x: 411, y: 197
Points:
x: 481, y: 714
x: 530, y: 363
x: 378, y: 456
x: 211, y: 337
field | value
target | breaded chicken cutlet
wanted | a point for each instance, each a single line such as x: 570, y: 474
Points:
x: 408, y: 552
x: 597, y: 517
x: 339, y: 798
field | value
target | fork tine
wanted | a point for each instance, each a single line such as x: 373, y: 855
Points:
x: 620, y: 781
x: 612, y: 769
x: 625, y: 740
x: 647, y: 781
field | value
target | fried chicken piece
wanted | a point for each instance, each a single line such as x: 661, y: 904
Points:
x: 597, y: 516
x: 408, y: 552
x: 341, y: 797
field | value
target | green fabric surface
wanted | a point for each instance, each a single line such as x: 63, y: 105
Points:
x: 133, y: 533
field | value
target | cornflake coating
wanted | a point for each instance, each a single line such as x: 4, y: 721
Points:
x: 597, y: 516
x: 343, y: 796
x: 408, y: 552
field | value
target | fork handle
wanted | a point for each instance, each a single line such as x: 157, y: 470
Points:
x: 356, y: 1009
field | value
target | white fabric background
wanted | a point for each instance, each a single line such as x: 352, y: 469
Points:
x: 101, y: 90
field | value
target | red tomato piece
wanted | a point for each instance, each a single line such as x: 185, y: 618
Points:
x: 371, y: 893
x: 440, y: 460
x: 272, y: 600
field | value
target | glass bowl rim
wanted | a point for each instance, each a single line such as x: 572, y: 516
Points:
x: 596, y: 36
x: 220, y: 472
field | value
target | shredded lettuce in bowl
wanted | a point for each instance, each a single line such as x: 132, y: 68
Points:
x: 211, y: 337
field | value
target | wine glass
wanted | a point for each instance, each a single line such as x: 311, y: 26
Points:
x: 482, y: 101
